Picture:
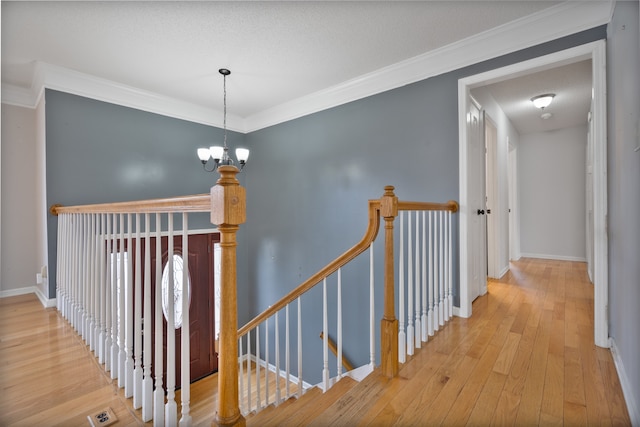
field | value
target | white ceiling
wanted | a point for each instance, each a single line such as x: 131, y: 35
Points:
x: 571, y: 85
x: 278, y: 52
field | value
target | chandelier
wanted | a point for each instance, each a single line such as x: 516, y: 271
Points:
x: 220, y: 155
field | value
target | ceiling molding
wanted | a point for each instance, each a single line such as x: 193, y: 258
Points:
x: 552, y: 23
x: 549, y: 24
x: 18, y: 96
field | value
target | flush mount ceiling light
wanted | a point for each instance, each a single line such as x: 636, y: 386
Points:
x: 543, y: 101
x: 220, y: 155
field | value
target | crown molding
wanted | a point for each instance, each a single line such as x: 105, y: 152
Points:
x: 18, y: 96
x: 48, y: 76
x: 558, y: 21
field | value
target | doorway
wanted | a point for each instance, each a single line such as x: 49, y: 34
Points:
x: 204, y: 360
x: 199, y: 290
x: 596, y: 52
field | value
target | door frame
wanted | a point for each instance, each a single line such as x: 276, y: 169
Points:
x: 596, y: 51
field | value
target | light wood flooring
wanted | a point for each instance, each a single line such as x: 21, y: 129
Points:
x: 525, y: 357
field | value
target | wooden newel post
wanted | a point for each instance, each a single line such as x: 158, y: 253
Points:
x: 228, y: 211
x: 389, y: 325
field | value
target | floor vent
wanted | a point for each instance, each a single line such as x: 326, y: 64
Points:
x: 106, y: 417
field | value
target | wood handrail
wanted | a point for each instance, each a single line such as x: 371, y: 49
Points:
x: 365, y: 242
x: 451, y: 205
x: 194, y: 203
x: 334, y: 349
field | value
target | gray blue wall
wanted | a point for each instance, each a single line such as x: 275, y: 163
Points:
x: 623, y: 87
x: 308, y: 180
x: 99, y: 152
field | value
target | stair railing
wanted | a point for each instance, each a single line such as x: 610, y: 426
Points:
x: 104, y: 290
x: 110, y: 306
x: 264, y: 381
x: 105, y: 299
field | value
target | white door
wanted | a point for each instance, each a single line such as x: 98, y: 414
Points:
x: 589, y: 199
x: 491, y: 211
x: 514, y: 230
x: 477, y: 200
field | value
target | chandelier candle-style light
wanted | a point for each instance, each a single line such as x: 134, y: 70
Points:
x: 220, y: 155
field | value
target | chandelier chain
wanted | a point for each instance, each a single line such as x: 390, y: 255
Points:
x: 224, y: 84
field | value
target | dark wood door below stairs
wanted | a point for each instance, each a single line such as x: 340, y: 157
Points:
x: 204, y: 360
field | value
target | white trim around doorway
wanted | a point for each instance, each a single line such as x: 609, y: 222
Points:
x: 596, y: 51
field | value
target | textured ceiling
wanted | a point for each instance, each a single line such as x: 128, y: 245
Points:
x: 277, y: 51
x: 570, y: 83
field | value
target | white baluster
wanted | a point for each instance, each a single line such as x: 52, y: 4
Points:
x: 418, y: 325
x: 171, y: 408
x: 147, y: 326
x: 73, y: 308
x: 410, y: 328
x: 445, y: 269
x: 425, y: 329
x: 430, y: 321
x: 60, y: 260
x: 243, y: 409
x: 339, y: 324
x: 185, y: 369
x: 62, y: 218
x: 441, y: 271
x: 108, y: 295
x: 449, y: 266
x: 122, y: 308
x: 129, y: 320
x: 84, y: 283
x: 76, y: 267
x: 402, y: 339
x: 93, y: 287
x: 325, y: 338
x: 300, y: 387
x: 87, y: 310
x: 266, y: 362
x: 103, y: 285
x: 287, y: 353
x: 372, y: 306
x: 99, y: 273
x: 249, y: 371
x: 114, y: 302
x: 158, y: 394
x: 137, y: 318
x: 258, y: 396
x: 277, y: 356
x: 73, y: 294
x: 436, y: 273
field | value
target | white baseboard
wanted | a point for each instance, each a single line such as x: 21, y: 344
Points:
x: 272, y: 368
x: 629, y: 398
x: 46, y: 302
x: 555, y: 257
x: 19, y: 291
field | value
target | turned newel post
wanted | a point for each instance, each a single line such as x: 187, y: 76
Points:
x: 389, y: 325
x: 228, y: 211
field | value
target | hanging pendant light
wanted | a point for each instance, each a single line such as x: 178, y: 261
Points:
x: 220, y: 155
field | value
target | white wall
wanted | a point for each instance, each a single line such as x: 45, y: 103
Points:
x: 507, y: 134
x: 551, y: 173
x: 18, y: 218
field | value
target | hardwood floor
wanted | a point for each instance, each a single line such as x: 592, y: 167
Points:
x: 526, y: 357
